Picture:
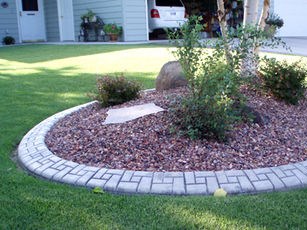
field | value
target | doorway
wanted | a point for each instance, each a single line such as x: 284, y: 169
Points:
x: 66, y: 20
x: 31, y: 20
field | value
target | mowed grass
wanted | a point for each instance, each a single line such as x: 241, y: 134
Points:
x: 37, y: 81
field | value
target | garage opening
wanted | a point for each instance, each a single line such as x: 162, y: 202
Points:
x: 208, y: 10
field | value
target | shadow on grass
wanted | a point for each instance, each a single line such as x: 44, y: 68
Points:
x: 29, y: 98
x: 41, y: 53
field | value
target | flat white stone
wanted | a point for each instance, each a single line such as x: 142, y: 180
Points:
x: 122, y: 115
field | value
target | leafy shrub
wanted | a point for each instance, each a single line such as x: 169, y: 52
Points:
x: 208, y: 111
x: 285, y: 81
x: 214, y: 77
x: 211, y: 113
x: 116, y: 90
x: 207, y: 117
x: 8, y: 40
x: 189, y: 50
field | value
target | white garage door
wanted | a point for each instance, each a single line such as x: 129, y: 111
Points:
x: 294, y: 14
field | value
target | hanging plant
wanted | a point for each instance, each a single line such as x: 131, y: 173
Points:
x: 274, y: 20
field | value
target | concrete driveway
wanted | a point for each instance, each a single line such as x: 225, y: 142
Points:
x: 298, y: 46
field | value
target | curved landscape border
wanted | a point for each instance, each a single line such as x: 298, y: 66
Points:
x: 35, y: 157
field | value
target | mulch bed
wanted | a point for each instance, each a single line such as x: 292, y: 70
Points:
x: 146, y: 143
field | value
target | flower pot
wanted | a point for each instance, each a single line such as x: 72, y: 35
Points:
x: 113, y: 37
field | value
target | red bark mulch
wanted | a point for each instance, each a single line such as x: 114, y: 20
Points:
x: 146, y: 143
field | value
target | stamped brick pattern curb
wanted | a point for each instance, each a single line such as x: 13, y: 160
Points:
x: 35, y: 157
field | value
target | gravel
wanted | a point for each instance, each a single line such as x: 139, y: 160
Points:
x: 146, y: 143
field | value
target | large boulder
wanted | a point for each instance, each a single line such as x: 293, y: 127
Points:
x: 170, y: 76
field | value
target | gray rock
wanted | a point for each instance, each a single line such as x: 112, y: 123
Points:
x: 170, y: 76
x: 122, y: 115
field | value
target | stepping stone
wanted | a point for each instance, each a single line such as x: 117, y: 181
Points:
x: 116, y: 116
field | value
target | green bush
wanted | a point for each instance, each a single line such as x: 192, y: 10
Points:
x: 116, y: 90
x: 285, y: 81
x: 207, y: 117
x: 210, y: 114
x: 8, y: 40
x: 189, y: 52
x: 208, y: 111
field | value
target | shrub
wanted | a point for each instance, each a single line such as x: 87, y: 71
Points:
x: 8, y: 40
x: 214, y: 78
x: 206, y: 117
x: 116, y: 90
x: 285, y: 81
x: 189, y: 50
x: 211, y: 113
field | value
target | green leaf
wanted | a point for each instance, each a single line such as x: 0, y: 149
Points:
x: 98, y: 190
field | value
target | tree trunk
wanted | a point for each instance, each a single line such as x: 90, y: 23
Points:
x: 264, y: 14
x: 250, y: 12
x: 221, y: 13
x: 249, y: 64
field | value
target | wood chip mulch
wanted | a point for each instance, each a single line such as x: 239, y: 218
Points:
x: 146, y: 143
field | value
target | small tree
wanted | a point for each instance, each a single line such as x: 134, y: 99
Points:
x: 189, y: 50
x: 208, y: 111
x: 251, y: 36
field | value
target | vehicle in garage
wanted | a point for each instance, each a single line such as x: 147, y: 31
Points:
x: 164, y: 14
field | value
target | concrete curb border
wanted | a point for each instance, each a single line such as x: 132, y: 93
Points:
x: 36, y: 158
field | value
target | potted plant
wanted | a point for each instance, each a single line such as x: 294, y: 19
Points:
x: 113, y: 31
x: 90, y: 16
x: 273, y: 22
x: 8, y: 40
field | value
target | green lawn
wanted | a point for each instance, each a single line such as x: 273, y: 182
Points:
x: 37, y: 81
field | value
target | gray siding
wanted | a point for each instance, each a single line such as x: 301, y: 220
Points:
x: 52, y: 20
x: 272, y: 6
x: 135, y: 20
x: 8, y: 21
x: 109, y: 11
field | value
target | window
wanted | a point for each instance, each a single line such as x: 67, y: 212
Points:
x: 29, y: 5
x: 169, y: 3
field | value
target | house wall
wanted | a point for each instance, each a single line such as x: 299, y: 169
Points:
x: 51, y: 20
x: 294, y: 15
x: 8, y: 21
x: 135, y: 20
x: 272, y: 5
x: 109, y: 11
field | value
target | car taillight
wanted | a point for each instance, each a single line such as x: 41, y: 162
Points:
x: 155, y: 13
